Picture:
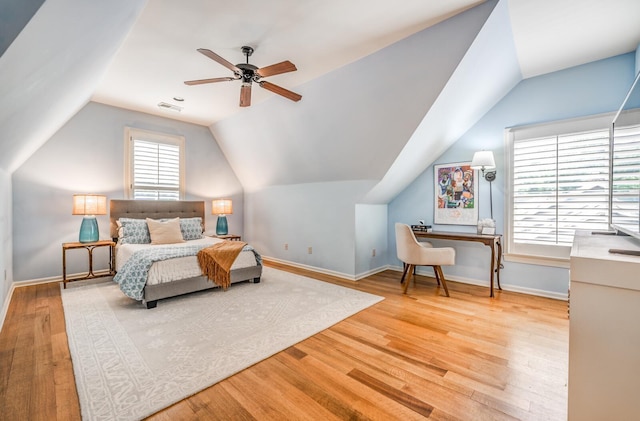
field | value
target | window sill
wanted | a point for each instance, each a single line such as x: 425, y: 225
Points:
x: 559, y: 262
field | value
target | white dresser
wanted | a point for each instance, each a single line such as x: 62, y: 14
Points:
x: 604, y: 329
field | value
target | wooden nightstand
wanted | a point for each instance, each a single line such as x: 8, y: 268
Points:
x: 89, y: 247
x: 231, y: 237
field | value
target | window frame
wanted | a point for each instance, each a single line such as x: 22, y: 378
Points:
x: 131, y: 133
x: 546, y: 255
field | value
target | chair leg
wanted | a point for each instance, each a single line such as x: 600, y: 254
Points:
x: 408, y: 280
x: 437, y: 275
x: 444, y: 282
x: 404, y: 273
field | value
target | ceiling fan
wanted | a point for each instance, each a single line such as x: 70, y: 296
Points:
x: 249, y: 73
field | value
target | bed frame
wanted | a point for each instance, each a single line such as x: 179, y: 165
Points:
x: 156, y: 209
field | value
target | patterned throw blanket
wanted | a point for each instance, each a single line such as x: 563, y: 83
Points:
x: 216, y: 261
x: 132, y: 277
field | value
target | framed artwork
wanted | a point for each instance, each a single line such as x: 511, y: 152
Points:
x: 455, y: 194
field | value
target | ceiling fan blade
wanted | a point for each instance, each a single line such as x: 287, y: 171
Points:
x: 215, y: 79
x: 245, y: 95
x: 280, y: 91
x: 213, y: 56
x: 276, y: 69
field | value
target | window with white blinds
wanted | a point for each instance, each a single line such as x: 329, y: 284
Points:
x: 155, y: 165
x: 559, y: 178
x: 626, y: 179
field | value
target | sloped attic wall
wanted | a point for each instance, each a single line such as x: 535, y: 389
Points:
x: 327, y: 151
x: 48, y: 73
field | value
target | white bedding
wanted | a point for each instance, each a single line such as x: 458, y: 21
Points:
x: 179, y: 268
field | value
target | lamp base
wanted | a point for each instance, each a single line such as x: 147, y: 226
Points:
x: 89, y: 232
x: 221, y: 227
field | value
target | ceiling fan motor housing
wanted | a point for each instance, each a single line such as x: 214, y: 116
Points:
x: 248, y: 72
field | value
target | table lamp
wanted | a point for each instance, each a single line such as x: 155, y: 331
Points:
x: 222, y: 207
x: 89, y: 205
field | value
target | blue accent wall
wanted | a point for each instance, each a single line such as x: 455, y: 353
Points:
x: 593, y: 88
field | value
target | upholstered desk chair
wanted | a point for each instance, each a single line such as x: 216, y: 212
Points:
x: 413, y: 253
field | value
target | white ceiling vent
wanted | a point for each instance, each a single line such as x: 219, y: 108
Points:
x: 171, y: 107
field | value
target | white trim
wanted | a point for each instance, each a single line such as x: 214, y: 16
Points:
x: 537, y: 260
x: 328, y: 272
x: 5, y: 305
x: 18, y: 284
x: 505, y: 287
x: 29, y: 282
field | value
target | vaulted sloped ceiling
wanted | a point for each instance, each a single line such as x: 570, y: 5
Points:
x: 487, y: 72
x: 355, y: 121
x: 52, y: 68
x: 380, y: 118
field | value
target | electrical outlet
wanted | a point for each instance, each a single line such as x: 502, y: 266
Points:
x: 286, y: 246
x: 373, y: 253
x: 310, y: 250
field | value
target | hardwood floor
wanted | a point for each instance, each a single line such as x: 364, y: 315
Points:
x: 419, y: 356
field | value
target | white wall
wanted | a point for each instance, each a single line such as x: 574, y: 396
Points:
x: 592, y: 88
x: 6, y: 269
x: 317, y: 215
x: 369, y: 236
x: 87, y: 155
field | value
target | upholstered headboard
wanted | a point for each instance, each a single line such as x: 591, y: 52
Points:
x: 154, y: 209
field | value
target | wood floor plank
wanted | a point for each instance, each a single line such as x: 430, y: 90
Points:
x: 410, y: 357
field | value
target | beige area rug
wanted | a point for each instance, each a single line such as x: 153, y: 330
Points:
x: 130, y: 362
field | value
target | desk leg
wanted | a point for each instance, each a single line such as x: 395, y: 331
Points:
x: 112, y: 261
x: 493, y: 268
x: 64, y: 267
x: 90, y: 250
x: 499, y: 263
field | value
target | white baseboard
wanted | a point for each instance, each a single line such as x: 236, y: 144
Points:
x: 17, y: 284
x: 505, y: 287
x: 26, y: 283
x: 326, y: 271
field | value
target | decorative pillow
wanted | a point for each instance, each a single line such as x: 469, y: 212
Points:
x: 133, y: 231
x: 191, y: 228
x: 165, y: 232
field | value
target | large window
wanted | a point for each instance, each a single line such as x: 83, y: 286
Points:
x: 559, y: 179
x: 154, y: 165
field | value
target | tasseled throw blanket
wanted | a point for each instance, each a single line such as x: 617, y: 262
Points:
x: 216, y: 261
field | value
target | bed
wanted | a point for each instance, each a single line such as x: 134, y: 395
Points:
x: 181, y: 275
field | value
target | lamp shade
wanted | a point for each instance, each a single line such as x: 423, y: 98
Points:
x: 222, y: 207
x: 483, y: 160
x: 89, y: 204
